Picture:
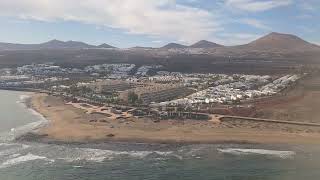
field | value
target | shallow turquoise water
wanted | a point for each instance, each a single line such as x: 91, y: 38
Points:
x: 37, y: 161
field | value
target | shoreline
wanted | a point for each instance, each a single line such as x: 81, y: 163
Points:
x: 25, y: 100
x: 70, y: 125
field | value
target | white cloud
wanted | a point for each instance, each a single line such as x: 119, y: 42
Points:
x: 162, y: 18
x: 157, y: 41
x: 255, y: 23
x: 256, y: 5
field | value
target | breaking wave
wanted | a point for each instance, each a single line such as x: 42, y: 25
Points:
x: 22, y: 159
x: 10, y: 149
x: 23, y: 100
x: 281, y: 154
x: 99, y: 155
x: 19, y: 131
x: 24, y: 97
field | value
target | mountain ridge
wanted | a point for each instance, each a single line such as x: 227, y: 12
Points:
x: 52, y: 44
x: 279, y: 41
x: 205, y: 44
x: 174, y: 46
x: 272, y: 42
x: 104, y: 45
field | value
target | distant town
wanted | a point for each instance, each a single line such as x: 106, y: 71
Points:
x: 149, y: 89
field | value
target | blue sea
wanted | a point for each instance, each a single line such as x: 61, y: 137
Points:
x: 138, y: 161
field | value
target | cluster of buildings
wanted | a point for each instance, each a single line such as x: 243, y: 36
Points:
x: 143, y: 70
x: 115, y: 70
x: 111, y: 86
x: 41, y: 69
x: 164, y: 79
x: 279, y: 84
x: 235, y: 88
x: 119, y: 81
x: 150, y: 93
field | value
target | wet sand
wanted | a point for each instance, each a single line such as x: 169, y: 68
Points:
x: 69, y: 124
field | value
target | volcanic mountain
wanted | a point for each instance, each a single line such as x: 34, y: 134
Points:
x: 174, y: 46
x: 56, y: 44
x: 280, y: 42
x: 104, y: 45
x: 53, y: 44
x: 205, y: 44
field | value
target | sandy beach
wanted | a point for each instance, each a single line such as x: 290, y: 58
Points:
x: 70, y: 124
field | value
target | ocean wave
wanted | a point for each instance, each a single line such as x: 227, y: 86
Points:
x: 14, y: 133
x: 10, y: 149
x: 75, y: 154
x: 99, y: 155
x: 77, y: 166
x: 23, y: 99
x: 281, y: 154
x: 19, y: 131
x: 22, y: 159
x: 5, y: 144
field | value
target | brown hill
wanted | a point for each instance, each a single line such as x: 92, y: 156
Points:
x: 205, y: 44
x: 56, y: 44
x: 53, y: 44
x: 280, y: 42
x: 104, y: 45
x: 174, y: 46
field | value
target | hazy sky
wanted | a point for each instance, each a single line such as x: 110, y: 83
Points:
x: 126, y: 23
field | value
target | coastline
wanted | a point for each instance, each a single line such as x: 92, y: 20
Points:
x: 68, y: 124
x: 26, y: 101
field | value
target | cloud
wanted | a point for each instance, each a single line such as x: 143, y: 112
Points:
x: 256, y: 5
x: 163, y: 18
x: 255, y: 23
x: 156, y: 41
x: 308, y: 6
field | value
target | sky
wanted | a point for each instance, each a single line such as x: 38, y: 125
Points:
x: 154, y: 23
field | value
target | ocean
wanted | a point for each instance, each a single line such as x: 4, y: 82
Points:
x: 139, y: 161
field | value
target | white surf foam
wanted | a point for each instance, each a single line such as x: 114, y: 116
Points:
x: 281, y: 154
x: 5, y: 144
x: 77, y: 166
x: 22, y: 159
x: 14, y: 155
x: 12, y: 149
x: 19, y: 131
x: 23, y: 98
x: 99, y: 155
x: 40, y: 121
